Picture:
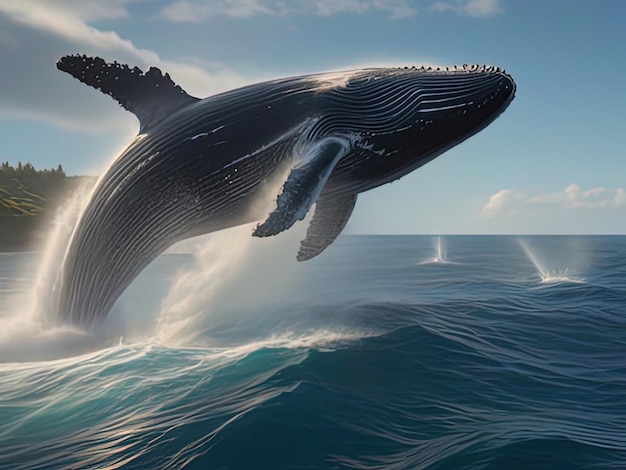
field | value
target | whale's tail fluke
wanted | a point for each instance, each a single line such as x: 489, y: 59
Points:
x: 151, y: 96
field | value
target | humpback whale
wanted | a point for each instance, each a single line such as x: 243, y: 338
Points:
x: 198, y: 165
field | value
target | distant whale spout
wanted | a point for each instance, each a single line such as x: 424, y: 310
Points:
x: 198, y: 165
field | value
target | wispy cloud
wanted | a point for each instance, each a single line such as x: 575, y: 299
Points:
x: 189, y: 11
x: 198, y: 11
x: 64, y: 25
x: 184, y: 11
x: 474, y: 8
x: 509, y: 202
x: 397, y: 9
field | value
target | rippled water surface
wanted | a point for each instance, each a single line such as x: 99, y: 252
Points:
x: 386, y: 352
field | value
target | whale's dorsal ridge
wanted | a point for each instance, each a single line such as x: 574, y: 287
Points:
x: 151, y: 96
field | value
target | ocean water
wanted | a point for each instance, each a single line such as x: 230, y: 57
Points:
x: 386, y: 352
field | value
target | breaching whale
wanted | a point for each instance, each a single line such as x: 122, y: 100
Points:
x: 197, y: 165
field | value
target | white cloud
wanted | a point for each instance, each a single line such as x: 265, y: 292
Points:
x: 500, y: 201
x: 184, y: 11
x: 509, y: 202
x: 37, y: 89
x: 474, y: 8
x: 197, y: 11
x: 396, y: 9
x: 189, y: 11
x: 65, y: 21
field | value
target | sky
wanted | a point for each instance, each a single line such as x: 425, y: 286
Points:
x: 553, y: 163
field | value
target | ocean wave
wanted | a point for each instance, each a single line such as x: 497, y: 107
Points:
x: 365, y: 363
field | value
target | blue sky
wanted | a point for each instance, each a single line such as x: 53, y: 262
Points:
x: 554, y: 162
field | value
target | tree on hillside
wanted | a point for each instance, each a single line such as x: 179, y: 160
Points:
x: 29, y: 169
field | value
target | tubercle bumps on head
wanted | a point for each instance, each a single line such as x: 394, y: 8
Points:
x: 469, y: 68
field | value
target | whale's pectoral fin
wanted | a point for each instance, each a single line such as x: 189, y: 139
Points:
x: 303, y: 186
x: 150, y: 96
x: 330, y: 217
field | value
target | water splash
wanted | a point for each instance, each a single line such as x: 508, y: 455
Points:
x: 547, y: 275
x: 440, y: 254
x: 230, y: 278
x: 233, y: 293
x: 222, y: 295
x: 195, y: 292
x: 28, y: 330
x: 54, y: 251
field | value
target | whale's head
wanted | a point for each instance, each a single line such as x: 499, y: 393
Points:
x: 400, y: 119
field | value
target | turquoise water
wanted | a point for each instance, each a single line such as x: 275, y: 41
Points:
x: 386, y: 352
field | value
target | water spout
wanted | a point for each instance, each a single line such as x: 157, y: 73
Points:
x: 547, y: 275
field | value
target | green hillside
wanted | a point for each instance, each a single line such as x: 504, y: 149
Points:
x: 27, y: 198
